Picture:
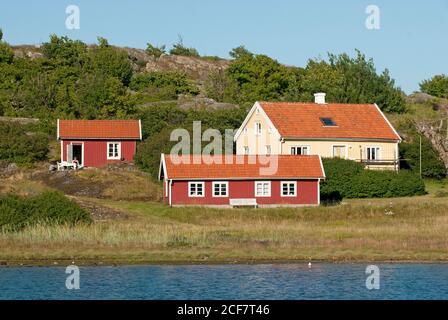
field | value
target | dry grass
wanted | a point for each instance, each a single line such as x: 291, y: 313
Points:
x: 398, y: 229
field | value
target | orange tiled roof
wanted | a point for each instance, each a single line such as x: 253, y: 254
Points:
x: 99, y: 129
x: 354, y: 121
x: 288, y: 167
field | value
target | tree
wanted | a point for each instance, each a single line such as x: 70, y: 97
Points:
x: 259, y: 77
x: 154, y: 51
x: 6, y: 52
x: 111, y: 61
x: 180, y: 50
x: 436, y: 86
x: 239, y: 52
x: 64, y: 51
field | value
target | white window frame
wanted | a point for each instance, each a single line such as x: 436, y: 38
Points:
x: 340, y: 145
x: 263, y: 195
x: 246, y: 150
x: 226, y: 183
x: 190, y: 183
x: 258, y: 128
x: 288, y: 183
x: 377, y: 153
x: 308, y: 148
x: 119, y: 150
x: 268, y: 149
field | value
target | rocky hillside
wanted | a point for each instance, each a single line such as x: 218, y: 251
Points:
x: 195, y: 68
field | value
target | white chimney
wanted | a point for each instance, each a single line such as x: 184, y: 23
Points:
x: 319, y: 98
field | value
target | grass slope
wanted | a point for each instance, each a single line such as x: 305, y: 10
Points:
x: 401, y: 229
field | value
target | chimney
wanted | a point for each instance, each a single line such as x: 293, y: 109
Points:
x: 319, y: 98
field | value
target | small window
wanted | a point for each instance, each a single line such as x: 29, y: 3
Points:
x: 288, y: 188
x: 339, y: 151
x: 300, y: 150
x: 257, y: 128
x: 196, y: 189
x: 328, y: 122
x: 221, y: 189
x: 373, y: 153
x: 268, y: 150
x: 262, y: 188
x: 246, y: 150
x: 113, y: 150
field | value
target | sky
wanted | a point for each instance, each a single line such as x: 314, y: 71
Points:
x: 412, y: 39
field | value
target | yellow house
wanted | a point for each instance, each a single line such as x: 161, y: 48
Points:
x: 359, y: 132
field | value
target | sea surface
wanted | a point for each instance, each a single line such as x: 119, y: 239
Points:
x: 264, y: 281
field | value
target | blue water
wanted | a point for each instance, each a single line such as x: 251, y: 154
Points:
x: 279, y: 281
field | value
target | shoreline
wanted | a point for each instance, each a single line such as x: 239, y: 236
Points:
x: 122, y: 263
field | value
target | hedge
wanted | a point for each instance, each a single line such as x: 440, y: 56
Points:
x: 49, y: 208
x: 349, y: 179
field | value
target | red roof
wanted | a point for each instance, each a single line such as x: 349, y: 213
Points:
x: 99, y: 129
x: 353, y: 121
x: 240, y: 167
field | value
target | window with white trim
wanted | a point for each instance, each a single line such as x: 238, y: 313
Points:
x: 288, y: 188
x: 257, y: 128
x: 220, y: 189
x: 373, y: 153
x: 196, y: 189
x: 300, y: 150
x: 262, y: 188
x: 114, y: 150
x: 246, y: 150
x: 268, y: 149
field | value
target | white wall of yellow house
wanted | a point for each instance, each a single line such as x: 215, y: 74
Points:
x: 257, y: 142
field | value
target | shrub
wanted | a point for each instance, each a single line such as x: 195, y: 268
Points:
x: 432, y: 165
x: 177, y: 82
x: 19, y: 146
x: 180, y: 50
x: 49, y: 208
x: 349, y: 179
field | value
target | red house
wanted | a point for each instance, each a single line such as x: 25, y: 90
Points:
x: 96, y: 143
x: 294, y: 182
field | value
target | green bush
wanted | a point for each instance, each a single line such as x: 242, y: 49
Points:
x: 49, y: 208
x: 20, y: 146
x: 349, y: 179
x: 432, y: 165
x: 177, y: 82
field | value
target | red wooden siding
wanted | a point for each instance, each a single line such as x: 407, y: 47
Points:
x: 95, y: 151
x: 307, y: 193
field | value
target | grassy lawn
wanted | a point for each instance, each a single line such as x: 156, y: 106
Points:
x: 400, y: 229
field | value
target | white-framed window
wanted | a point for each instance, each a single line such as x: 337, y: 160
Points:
x: 262, y: 188
x: 113, y: 150
x: 373, y: 153
x: 246, y: 150
x: 220, y: 189
x: 339, y: 151
x: 268, y: 149
x: 300, y: 150
x: 257, y: 128
x: 196, y: 189
x: 288, y: 188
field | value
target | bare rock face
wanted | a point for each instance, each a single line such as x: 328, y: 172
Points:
x: 424, y: 98
x: 27, y: 51
x: 195, y: 68
x: 199, y: 102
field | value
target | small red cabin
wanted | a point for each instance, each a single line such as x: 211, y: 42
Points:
x: 242, y: 180
x: 96, y: 143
